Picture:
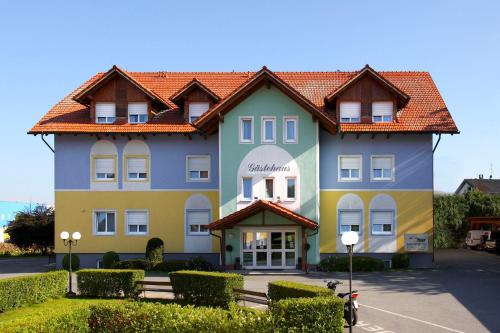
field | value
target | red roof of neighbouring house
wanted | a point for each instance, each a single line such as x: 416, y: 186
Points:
x: 257, y: 207
x: 425, y: 110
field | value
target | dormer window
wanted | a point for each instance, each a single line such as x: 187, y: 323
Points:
x: 350, y: 112
x: 197, y: 109
x: 105, y: 113
x: 137, y: 113
x: 382, y: 112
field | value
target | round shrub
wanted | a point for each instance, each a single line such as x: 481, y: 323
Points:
x: 75, y: 262
x: 109, y: 258
x: 400, y: 261
x: 154, y: 250
x: 199, y: 264
x: 327, y: 264
x: 173, y: 265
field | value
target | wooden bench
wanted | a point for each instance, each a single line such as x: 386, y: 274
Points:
x: 146, y: 286
x: 251, y: 296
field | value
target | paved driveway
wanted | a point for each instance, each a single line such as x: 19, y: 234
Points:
x: 11, y: 267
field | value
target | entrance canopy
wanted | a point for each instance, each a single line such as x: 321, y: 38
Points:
x: 260, y: 206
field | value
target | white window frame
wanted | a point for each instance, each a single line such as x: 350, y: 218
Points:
x: 265, y: 188
x: 287, y: 198
x: 382, y: 233
x: 295, y: 121
x: 107, y: 120
x: 265, y: 119
x: 350, y: 119
x: 382, y: 179
x: 360, y: 211
x: 350, y: 179
x: 243, y: 141
x: 94, y: 222
x: 138, y: 179
x: 382, y: 120
x: 188, y: 173
x: 197, y: 233
x: 189, y: 110
x: 138, y: 233
x: 137, y: 114
x: 94, y: 168
x: 243, y: 198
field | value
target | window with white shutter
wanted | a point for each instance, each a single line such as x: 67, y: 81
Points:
x: 382, y: 112
x: 136, y: 222
x: 197, y: 222
x: 105, y: 113
x: 198, y: 168
x: 350, y: 112
x: 382, y: 167
x: 137, y: 168
x: 382, y: 222
x: 350, y: 220
x: 196, y: 110
x: 137, y: 113
x: 349, y: 168
x: 104, y: 168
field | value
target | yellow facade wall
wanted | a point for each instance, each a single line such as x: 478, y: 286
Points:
x: 74, y: 212
x: 413, y: 215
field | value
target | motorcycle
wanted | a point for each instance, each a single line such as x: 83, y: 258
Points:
x: 332, y: 285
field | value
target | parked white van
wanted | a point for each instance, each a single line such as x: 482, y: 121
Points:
x: 474, y: 238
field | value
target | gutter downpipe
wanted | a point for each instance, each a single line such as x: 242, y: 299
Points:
x: 220, y: 245
x: 313, y: 234
x: 433, y: 213
x: 46, y: 143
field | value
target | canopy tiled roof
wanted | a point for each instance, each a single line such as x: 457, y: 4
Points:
x: 257, y: 207
x: 424, y: 112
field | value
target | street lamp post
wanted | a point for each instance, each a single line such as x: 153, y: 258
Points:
x: 75, y: 237
x: 350, y: 239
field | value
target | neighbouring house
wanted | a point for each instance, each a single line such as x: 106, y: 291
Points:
x: 276, y: 164
x: 8, y: 210
x: 490, y: 186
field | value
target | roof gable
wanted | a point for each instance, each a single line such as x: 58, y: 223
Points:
x: 262, y: 77
x: 260, y: 206
x: 82, y: 96
x: 190, y: 86
x: 402, y: 97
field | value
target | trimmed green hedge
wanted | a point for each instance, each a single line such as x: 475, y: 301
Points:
x: 172, y: 318
x: 133, y: 264
x: 400, y: 261
x: 32, y: 289
x: 154, y: 250
x: 108, y: 282
x: 278, y: 290
x: 205, y: 288
x: 359, y: 264
x: 315, y: 315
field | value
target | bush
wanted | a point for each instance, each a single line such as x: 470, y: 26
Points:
x: 173, y: 265
x: 315, y: 315
x: 133, y: 264
x: 75, y: 262
x: 32, y: 289
x: 109, y: 258
x: 278, y: 290
x: 199, y: 264
x: 108, y: 282
x: 154, y: 250
x: 359, y: 264
x: 205, y: 288
x: 400, y: 261
x: 327, y: 264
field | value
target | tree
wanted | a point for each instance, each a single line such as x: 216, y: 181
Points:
x: 33, y: 229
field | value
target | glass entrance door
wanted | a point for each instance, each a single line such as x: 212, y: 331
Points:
x: 268, y: 249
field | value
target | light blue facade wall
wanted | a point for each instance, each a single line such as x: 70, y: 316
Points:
x: 168, y: 161
x: 412, y: 153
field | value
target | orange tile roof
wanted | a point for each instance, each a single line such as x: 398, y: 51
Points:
x: 425, y: 111
x: 257, y: 207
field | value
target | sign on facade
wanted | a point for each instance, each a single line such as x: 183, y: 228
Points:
x: 416, y: 242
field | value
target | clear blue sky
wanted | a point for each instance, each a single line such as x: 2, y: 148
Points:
x: 48, y: 48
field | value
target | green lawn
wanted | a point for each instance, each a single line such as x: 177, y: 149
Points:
x: 47, y: 307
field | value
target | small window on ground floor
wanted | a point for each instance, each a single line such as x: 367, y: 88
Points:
x: 350, y: 221
x: 197, y: 222
x: 137, y: 222
x: 382, y: 222
x: 104, y: 222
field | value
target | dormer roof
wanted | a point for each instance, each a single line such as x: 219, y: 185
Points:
x: 403, y: 98
x: 190, y: 86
